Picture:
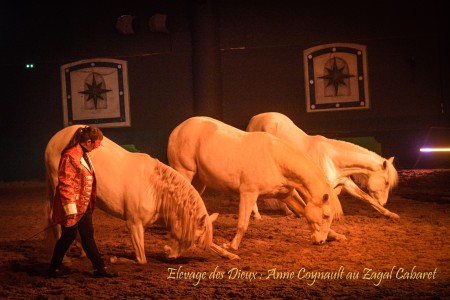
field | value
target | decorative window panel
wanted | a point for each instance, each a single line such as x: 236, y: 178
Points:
x: 336, y: 77
x: 95, y: 92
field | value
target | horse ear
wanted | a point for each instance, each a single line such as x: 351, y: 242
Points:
x: 325, y: 197
x: 201, y: 222
x: 391, y: 160
x: 213, y: 217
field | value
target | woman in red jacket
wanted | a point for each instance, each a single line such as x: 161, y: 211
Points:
x: 75, y: 200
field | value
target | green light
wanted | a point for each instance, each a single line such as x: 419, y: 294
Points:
x: 29, y: 66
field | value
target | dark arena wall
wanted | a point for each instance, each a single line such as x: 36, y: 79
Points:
x: 229, y: 60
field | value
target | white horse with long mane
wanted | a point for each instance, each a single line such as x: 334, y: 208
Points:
x: 254, y: 165
x: 343, y: 163
x: 140, y: 190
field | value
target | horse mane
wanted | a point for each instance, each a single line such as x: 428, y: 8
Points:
x: 313, y: 170
x: 392, y: 174
x: 348, y: 147
x: 336, y: 206
x: 182, y: 206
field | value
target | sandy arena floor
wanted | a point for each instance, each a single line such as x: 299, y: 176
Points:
x: 407, y: 258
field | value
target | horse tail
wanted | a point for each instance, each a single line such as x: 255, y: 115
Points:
x: 51, y: 231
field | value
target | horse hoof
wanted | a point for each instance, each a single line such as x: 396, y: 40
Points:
x: 341, y: 237
x: 394, y: 216
x: 234, y: 257
x: 228, y: 246
x: 291, y: 216
x: 336, y: 237
x: 257, y: 217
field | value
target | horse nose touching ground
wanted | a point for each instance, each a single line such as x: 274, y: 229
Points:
x: 376, y: 185
x: 319, y: 219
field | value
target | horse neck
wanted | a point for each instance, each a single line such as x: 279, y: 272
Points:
x: 179, y: 202
x: 349, y: 157
x: 305, y: 176
x: 301, y: 172
x: 172, y: 191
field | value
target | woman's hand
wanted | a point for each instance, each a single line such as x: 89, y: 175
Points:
x: 70, y: 221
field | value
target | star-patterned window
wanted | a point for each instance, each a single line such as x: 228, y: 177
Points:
x: 95, y: 92
x: 336, y: 77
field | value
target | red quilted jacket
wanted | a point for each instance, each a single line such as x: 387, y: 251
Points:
x: 76, y: 190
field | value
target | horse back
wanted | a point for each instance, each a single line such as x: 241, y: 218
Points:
x: 224, y: 157
x: 123, y: 179
x: 280, y: 126
x: 53, y: 150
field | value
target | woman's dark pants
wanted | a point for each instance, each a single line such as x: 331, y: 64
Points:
x: 68, y: 236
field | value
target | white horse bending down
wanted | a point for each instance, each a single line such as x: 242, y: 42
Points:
x: 340, y: 161
x: 140, y: 190
x: 254, y: 165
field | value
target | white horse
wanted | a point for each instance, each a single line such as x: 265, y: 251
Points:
x: 254, y: 165
x: 340, y: 161
x: 140, y: 190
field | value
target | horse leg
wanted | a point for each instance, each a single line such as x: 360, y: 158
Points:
x: 256, y: 213
x: 198, y: 184
x: 351, y: 188
x: 294, y: 203
x: 294, y: 194
x: 193, y: 178
x: 247, y: 202
x: 136, y: 230
x: 334, y: 236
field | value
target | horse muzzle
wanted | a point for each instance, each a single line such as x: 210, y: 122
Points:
x: 171, y: 253
x: 317, y: 239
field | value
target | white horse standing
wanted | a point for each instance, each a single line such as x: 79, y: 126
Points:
x: 254, y: 165
x: 341, y: 161
x: 140, y: 189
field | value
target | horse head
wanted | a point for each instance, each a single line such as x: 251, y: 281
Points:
x: 378, y: 183
x: 180, y: 241
x: 183, y: 211
x: 319, y: 214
